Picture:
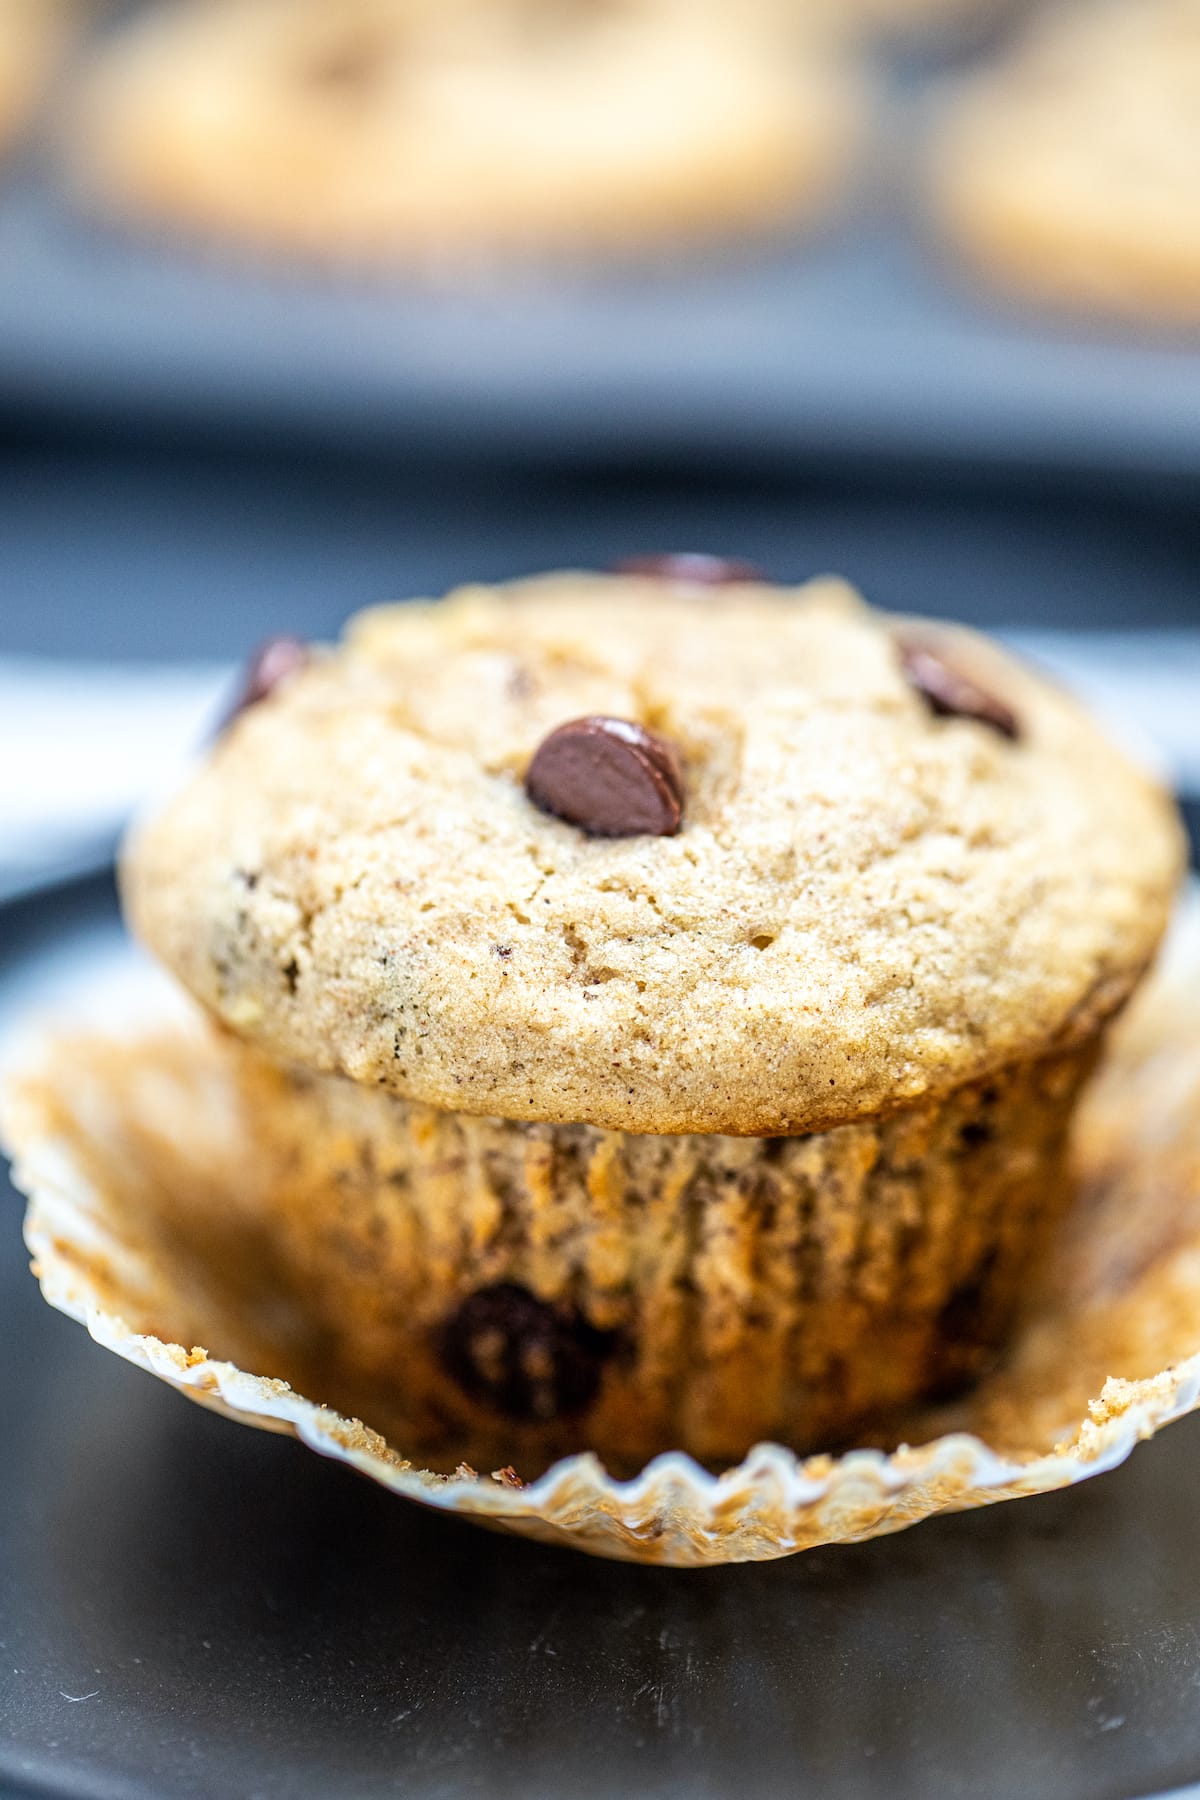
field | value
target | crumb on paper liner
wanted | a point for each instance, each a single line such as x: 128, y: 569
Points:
x: 123, y: 1143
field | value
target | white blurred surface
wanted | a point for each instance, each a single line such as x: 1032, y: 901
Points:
x: 1145, y: 686
x: 81, y: 746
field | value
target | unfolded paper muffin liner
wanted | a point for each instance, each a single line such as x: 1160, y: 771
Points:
x: 132, y: 1148
x: 492, y: 1291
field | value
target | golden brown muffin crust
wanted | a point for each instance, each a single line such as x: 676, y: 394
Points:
x: 867, y: 903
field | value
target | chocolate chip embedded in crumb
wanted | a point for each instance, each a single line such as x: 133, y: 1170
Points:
x: 690, y: 567
x: 968, y: 1330
x: 522, y: 1357
x: 272, y: 663
x: 610, y: 777
x: 949, y: 690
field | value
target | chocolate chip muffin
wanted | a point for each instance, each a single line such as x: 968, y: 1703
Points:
x: 671, y: 995
x: 385, y: 131
x: 33, y: 34
x: 1070, y: 171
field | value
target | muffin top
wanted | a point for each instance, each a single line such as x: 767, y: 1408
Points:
x: 870, y: 858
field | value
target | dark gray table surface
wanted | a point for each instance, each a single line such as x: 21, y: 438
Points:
x: 864, y: 341
x: 192, y: 1609
x: 109, y: 550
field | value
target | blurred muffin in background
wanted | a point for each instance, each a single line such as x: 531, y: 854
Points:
x: 32, y: 35
x: 888, y: 19
x: 921, y: 17
x: 382, y: 131
x: 1071, y: 171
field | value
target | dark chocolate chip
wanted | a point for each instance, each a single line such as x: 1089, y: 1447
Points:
x: 512, y: 1352
x: 948, y: 689
x: 969, y: 1326
x: 610, y: 777
x: 691, y: 567
x: 270, y: 664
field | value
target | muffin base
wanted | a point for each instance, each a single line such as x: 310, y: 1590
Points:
x: 533, y: 1290
x: 145, y: 1174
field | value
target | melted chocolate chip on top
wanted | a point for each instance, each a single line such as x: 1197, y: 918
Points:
x: 949, y: 689
x: 690, y: 567
x: 272, y: 663
x: 611, y: 777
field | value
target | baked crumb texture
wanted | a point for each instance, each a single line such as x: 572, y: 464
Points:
x: 867, y: 905
x: 749, y: 1130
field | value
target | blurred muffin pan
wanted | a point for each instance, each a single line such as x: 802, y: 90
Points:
x: 861, y: 342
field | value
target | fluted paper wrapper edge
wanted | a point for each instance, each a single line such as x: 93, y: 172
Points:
x: 1109, y: 1353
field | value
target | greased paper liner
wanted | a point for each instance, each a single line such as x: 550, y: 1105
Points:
x: 140, y: 1176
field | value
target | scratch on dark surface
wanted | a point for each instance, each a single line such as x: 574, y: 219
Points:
x: 658, y: 1691
x: 76, y: 1698
x: 1102, y: 1721
x: 540, y: 1641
